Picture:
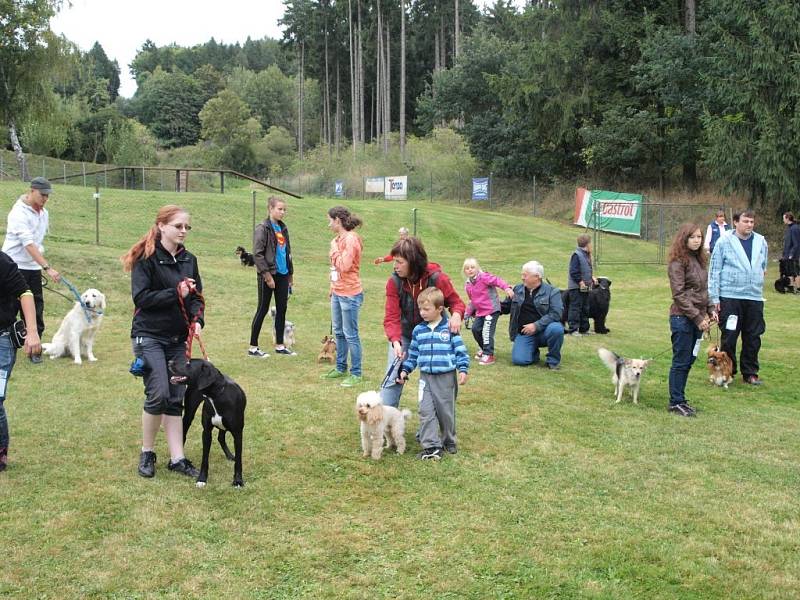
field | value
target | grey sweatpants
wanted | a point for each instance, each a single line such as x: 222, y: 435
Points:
x: 437, y: 409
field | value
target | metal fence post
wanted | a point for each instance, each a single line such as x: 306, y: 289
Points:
x: 83, y: 169
x: 491, y: 185
x: 65, y: 172
x: 254, y: 210
x: 96, y: 213
x: 44, y: 169
x: 143, y: 180
x: 534, y: 196
x: 414, y: 220
x: 431, y: 188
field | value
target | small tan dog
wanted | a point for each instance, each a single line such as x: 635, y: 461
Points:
x: 328, y: 351
x: 381, y: 426
x: 626, y: 372
x: 720, y: 367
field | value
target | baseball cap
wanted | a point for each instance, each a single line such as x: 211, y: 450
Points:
x: 41, y: 184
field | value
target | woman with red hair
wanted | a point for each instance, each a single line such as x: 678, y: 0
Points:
x: 163, y: 275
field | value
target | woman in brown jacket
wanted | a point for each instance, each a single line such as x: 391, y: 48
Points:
x: 690, y: 314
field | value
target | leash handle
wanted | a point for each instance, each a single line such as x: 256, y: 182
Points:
x: 190, y: 321
x: 395, y: 366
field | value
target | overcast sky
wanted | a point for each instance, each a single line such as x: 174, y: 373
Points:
x: 122, y: 26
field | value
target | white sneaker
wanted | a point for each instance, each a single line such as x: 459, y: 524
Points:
x: 257, y: 353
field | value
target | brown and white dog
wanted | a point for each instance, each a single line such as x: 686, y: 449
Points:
x: 720, y: 367
x: 625, y: 372
x: 379, y: 424
x: 328, y: 351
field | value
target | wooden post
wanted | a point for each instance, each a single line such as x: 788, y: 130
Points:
x: 254, y: 210
x: 65, y: 172
x: 83, y: 168
x: 124, y: 178
x: 490, y: 190
x: 222, y: 182
x: 534, y: 195
x: 177, y: 180
x: 143, y: 178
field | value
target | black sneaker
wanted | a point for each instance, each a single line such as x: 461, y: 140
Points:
x: 691, y: 409
x: 147, y: 464
x: 36, y: 359
x: 184, y: 467
x: 752, y: 380
x: 681, y: 409
x: 553, y: 367
x: 451, y: 449
x: 286, y: 351
x: 430, y: 454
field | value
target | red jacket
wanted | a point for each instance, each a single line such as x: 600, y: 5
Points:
x: 392, y: 319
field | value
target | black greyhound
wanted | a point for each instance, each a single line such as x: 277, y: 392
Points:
x: 223, y: 403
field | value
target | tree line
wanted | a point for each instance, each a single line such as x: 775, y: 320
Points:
x: 643, y: 92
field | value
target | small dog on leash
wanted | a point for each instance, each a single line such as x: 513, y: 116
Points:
x: 328, y: 351
x: 381, y: 426
x: 78, y: 329
x: 245, y: 257
x: 625, y: 372
x: 720, y: 367
x: 288, y: 330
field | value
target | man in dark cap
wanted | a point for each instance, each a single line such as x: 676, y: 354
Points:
x: 27, y: 225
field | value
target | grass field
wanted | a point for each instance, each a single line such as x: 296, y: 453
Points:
x: 555, y: 492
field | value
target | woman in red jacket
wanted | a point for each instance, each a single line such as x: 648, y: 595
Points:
x: 412, y: 274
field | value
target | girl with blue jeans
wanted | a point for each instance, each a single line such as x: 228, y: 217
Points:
x: 347, y: 294
x: 691, y: 313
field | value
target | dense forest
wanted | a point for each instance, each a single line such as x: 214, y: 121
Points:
x: 646, y: 92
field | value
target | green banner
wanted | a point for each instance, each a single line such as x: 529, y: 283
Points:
x: 615, y: 212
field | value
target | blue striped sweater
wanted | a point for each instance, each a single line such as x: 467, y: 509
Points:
x: 437, y: 350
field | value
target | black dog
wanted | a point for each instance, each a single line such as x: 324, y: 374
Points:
x: 245, y: 257
x: 223, y: 407
x: 599, y: 303
x: 788, y: 270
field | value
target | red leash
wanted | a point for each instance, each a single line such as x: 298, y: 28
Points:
x: 191, y: 321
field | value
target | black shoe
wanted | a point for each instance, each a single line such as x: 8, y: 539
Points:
x: 36, y: 359
x: 147, y: 464
x: 753, y: 380
x: 553, y: 367
x: 430, y: 454
x: 451, y: 449
x: 184, y: 467
x: 681, y: 409
x: 691, y: 409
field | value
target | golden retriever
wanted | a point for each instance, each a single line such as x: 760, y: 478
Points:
x: 77, y: 331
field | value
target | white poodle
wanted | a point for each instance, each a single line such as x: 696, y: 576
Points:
x: 79, y: 328
x: 379, y: 423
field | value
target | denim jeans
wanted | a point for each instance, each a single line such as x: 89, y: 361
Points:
x: 8, y: 356
x: 525, y: 350
x: 344, y: 315
x: 390, y: 393
x: 685, y: 335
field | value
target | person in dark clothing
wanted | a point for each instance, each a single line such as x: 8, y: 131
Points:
x: 14, y: 295
x: 164, y: 275
x: 272, y: 253
x: 579, y: 283
x: 791, y: 249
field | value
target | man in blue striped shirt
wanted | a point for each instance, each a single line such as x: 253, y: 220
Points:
x: 439, y: 354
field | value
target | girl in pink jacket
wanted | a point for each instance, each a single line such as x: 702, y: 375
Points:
x: 484, y: 305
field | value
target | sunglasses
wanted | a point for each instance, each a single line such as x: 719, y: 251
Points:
x: 180, y: 226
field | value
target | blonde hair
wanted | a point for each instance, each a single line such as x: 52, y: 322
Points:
x: 471, y: 262
x: 431, y: 295
x: 146, y: 245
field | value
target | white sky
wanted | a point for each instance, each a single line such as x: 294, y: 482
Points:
x: 122, y: 26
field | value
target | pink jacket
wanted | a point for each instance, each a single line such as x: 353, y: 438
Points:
x: 345, y: 255
x: 482, y: 293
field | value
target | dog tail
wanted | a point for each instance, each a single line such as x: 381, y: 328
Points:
x: 609, y: 359
x: 406, y: 413
x: 55, y: 350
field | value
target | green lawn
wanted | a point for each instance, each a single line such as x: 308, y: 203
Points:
x: 555, y: 492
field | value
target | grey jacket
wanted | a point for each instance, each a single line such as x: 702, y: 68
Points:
x: 546, y: 299
x: 264, y: 247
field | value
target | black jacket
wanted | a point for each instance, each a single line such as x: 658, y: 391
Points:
x: 154, y: 284
x: 265, y: 246
x: 12, y: 286
x: 791, y: 241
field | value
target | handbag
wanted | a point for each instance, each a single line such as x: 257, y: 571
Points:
x: 17, y: 333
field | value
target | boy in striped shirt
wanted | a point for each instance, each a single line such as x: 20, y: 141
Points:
x: 439, y: 354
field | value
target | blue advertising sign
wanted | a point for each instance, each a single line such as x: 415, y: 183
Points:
x: 338, y: 189
x: 480, y: 188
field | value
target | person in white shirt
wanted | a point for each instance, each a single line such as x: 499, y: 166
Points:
x: 27, y: 225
